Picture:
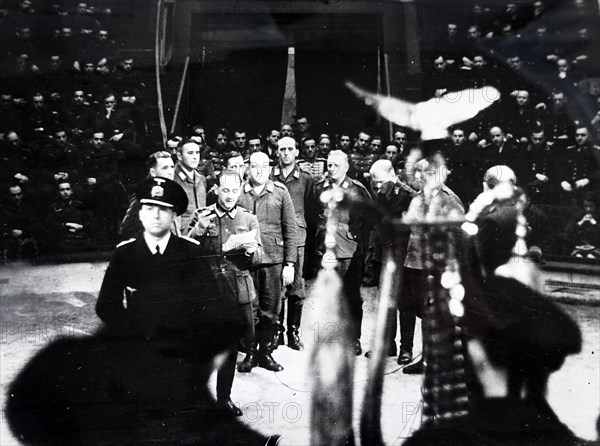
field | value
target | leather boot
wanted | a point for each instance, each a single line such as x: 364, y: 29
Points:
x: 279, y: 338
x: 251, y: 359
x: 293, y: 321
x: 267, y: 345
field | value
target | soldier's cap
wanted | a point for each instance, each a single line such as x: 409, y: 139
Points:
x: 162, y: 192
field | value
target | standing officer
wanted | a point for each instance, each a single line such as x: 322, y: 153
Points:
x: 271, y: 203
x: 162, y: 302
x: 301, y: 187
x: 212, y: 226
x: 189, y: 178
x: 349, y: 236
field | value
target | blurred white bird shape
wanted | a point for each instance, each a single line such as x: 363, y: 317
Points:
x: 434, y: 116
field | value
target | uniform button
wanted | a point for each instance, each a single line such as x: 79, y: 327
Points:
x: 222, y: 270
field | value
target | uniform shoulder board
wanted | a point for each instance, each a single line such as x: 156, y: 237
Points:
x: 280, y: 185
x: 126, y: 242
x: 358, y: 183
x: 304, y: 168
x: 245, y: 210
x: 189, y: 239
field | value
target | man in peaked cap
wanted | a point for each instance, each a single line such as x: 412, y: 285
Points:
x: 142, y: 378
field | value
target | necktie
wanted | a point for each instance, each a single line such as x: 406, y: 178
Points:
x: 157, y: 253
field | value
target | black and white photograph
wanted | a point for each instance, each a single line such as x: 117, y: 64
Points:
x: 300, y: 222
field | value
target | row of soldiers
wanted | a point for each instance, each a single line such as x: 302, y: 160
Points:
x: 171, y: 303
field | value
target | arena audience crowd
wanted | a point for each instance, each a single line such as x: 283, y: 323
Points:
x: 73, y: 127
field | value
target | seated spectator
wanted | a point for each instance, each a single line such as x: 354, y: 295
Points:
x: 58, y: 158
x: 559, y: 125
x: 52, y: 81
x: 579, y: 166
x: 440, y: 80
x: 20, y: 226
x: 117, y: 123
x: 582, y: 232
x: 115, y: 120
x: 17, y: 157
x: 103, y: 187
x: 71, y: 226
x: 10, y: 115
x: 93, y: 80
x: 103, y: 49
x: 128, y: 80
x: 78, y: 116
x: 521, y: 116
x: 39, y: 117
x: 499, y: 150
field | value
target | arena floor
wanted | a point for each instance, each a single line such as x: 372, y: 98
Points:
x: 38, y: 303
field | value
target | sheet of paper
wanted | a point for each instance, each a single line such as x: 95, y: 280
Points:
x: 235, y: 241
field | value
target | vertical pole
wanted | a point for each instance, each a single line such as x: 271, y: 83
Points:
x: 180, y: 93
x: 157, y: 68
x: 388, y: 90
x: 289, y: 96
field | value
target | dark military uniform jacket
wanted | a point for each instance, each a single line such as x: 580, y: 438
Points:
x: 352, y: 228
x: 580, y: 162
x: 277, y: 220
x: 301, y: 187
x: 315, y: 168
x: 195, y: 189
x: 168, y: 296
x: 360, y: 163
x: 232, y: 267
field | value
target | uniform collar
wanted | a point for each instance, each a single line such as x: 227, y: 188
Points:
x: 221, y: 212
x: 249, y: 188
x: 182, y: 174
x: 151, y: 242
x: 278, y: 172
x: 344, y: 184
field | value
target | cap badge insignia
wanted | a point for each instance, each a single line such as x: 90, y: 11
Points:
x: 157, y: 192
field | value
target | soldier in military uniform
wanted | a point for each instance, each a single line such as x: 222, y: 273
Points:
x: 392, y: 198
x: 310, y: 162
x: 302, y: 190
x: 537, y: 173
x: 189, y: 178
x: 361, y: 158
x: 212, y: 226
x: 350, y: 233
x: 158, y: 288
x: 142, y: 379
x: 580, y: 163
x: 270, y: 201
